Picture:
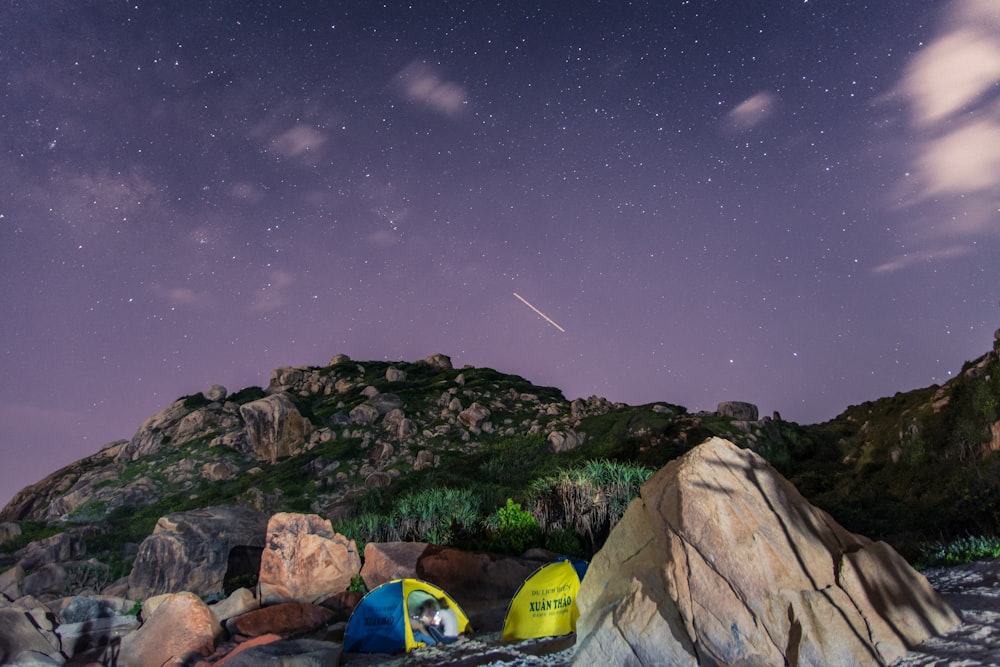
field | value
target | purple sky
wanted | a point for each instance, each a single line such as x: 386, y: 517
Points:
x: 793, y: 203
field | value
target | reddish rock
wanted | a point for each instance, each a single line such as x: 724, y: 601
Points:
x: 179, y: 631
x: 385, y: 561
x: 471, y: 577
x: 342, y: 604
x: 287, y: 620
x: 226, y: 653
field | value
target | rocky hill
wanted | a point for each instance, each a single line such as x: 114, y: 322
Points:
x: 350, y: 439
x: 918, y: 466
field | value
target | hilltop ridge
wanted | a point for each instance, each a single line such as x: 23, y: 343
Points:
x: 351, y: 437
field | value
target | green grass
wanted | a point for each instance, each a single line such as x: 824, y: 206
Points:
x: 959, y: 551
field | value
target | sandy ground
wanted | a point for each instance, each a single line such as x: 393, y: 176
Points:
x: 483, y: 649
x: 974, y: 591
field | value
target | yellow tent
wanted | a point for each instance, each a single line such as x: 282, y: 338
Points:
x: 545, y: 605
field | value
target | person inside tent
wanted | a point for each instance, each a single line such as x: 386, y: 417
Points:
x: 421, y: 621
x: 422, y: 629
x: 447, y: 622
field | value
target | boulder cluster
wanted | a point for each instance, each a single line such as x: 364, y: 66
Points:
x: 299, y: 606
x: 719, y: 562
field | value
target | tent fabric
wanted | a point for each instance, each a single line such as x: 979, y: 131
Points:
x: 545, y: 604
x: 380, y: 623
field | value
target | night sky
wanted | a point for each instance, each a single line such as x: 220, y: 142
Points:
x: 793, y: 203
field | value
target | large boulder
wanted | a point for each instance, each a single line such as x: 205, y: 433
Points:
x: 195, y: 424
x: 151, y: 434
x: 564, y: 441
x: 179, y: 631
x: 22, y: 640
x: 285, y: 378
x: 274, y: 427
x: 10, y: 583
x: 385, y: 402
x: 287, y: 619
x: 49, y: 580
x: 304, y: 560
x: 722, y: 562
x: 192, y: 551
x: 737, y: 410
x: 301, y: 652
x: 238, y: 603
x: 99, y: 635
x: 385, y: 561
x: 438, y: 361
x: 474, y: 416
x: 9, y: 530
x: 55, y: 549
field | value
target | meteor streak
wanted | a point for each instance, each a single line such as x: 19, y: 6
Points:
x: 543, y: 315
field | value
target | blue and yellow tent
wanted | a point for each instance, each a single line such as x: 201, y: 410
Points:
x: 545, y: 604
x: 380, y: 623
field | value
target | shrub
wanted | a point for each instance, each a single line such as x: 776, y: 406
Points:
x: 963, y: 550
x: 438, y: 516
x: 589, y: 500
x: 512, y: 530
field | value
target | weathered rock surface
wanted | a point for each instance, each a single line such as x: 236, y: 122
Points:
x: 474, y: 416
x: 385, y: 402
x: 564, y: 441
x: 22, y: 640
x: 180, y: 630
x: 61, y: 547
x: 94, y: 634
x: 239, y: 602
x: 304, y: 560
x: 9, y: 530
x: 385, y: 561
x: 722, y: 562
x: 286, y: 619
x: 150, y: 435
x: 190, y: 551
x: 738, y: 410
x: 287, y: 653
x: 274, y: 427
x: 441, y: 362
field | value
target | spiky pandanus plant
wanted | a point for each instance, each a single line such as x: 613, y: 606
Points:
x: 588, y: 500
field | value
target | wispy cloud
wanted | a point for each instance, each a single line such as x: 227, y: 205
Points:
x: 421, y: 83
x: 272, y: 295
x: 180, y: 296
x: 966, y: 160
x: 948, y: 88
x: 951, y: 73
x: 752, y: 111
x: 246, y: 192
x: 298, y: 141
x: 908, y: 259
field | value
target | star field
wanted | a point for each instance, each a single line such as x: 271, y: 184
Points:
x: 791, y: 203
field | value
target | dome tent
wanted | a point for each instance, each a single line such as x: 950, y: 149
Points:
x: 545, y: 604
x: 380, y: 623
